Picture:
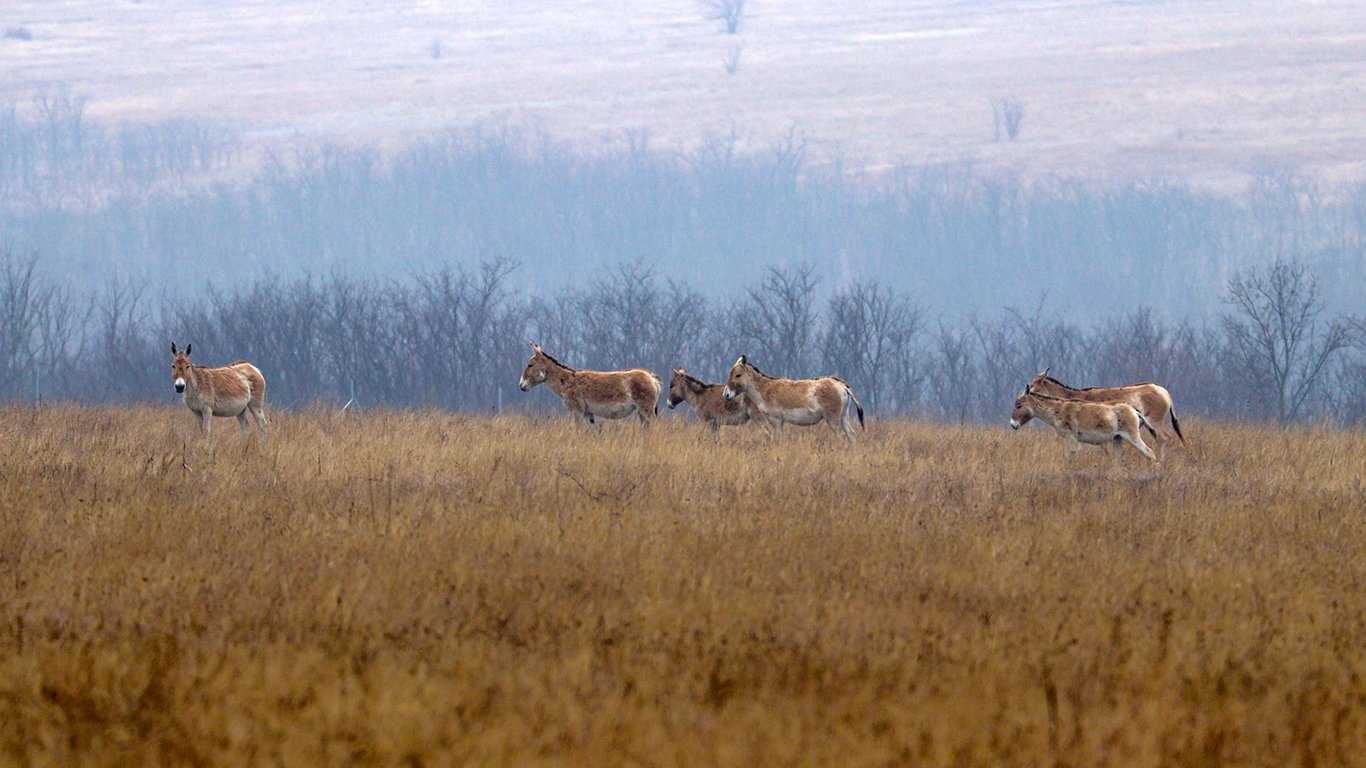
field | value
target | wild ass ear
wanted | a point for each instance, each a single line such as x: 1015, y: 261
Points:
x: 535, y: 347
x: 188, y: 347
x: 174, y: 351
x: 1044, y: 373
x: 741, y: 361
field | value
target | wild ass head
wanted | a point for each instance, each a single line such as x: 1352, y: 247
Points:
x: 1040, y: 379
x: 1023, y: 410
x: 538, y: 368
x: 180, y: 366
x: 679, y: 386
x: 740, y: 377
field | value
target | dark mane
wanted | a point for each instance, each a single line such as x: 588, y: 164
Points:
x: 1064, y: 386
x: 1042, y: 396
x: 692, y: 380
x: 1088, y: 389
x: 756, y: 369
x: 547, y: 356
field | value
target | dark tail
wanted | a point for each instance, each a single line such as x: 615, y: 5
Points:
x: 1176, y: 426
x: 857, y: 406
x: 1144, y: 423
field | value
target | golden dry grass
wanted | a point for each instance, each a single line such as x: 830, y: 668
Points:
x: 426, y: 588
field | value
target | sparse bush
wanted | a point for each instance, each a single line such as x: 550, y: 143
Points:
x: 730, y: 12
x: 1008, y: 112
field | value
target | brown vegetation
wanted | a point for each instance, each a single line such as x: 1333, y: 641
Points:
x: 427, y: 588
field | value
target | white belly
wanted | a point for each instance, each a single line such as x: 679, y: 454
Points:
x: 612, y: 410
x: 802, y: 417
x: 229, y: 406
x: 1093, y: 438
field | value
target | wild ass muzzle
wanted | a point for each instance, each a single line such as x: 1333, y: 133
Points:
x: 708, y: 401
x: 1078, y: 422
x: 1151, y: 400
x: 595, y: 394
x: 795, y: 401
x: 232, y: 390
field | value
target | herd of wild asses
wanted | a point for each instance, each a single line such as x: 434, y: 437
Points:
x: 1095, y: 415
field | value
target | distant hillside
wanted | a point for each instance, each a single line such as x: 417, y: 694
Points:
x: 1201, y: 92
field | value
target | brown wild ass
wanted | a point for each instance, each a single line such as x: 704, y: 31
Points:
x: 1078, y: 421
x: 795, y: 401
x: 228, y: 391
x: 1154, y: 402
x: 710, y: 403
x: 595, y: 394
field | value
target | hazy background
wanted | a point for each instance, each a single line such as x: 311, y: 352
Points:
x: 976, y: 164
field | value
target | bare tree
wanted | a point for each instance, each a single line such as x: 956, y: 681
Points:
x: 870, y: 340
x: 620, y: 315
x: 121, y: 364
x: 953, y: 373
x: 728, y: 11
x: 21, y: 302
x: 1276, y: 340
x: 776, y: 323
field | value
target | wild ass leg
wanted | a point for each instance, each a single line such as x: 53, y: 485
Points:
x: 1137, y: 442
x: 1118, y: 442
x: 205, y: 422
x: 835, y: 421
x: 848, y: 424
x: 242, y: 421
x: 258, y: 412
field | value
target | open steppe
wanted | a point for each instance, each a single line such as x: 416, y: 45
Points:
x: 425, y: 588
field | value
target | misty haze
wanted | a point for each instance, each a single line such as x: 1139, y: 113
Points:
x: 682, y: 383
x: 1005, y: 186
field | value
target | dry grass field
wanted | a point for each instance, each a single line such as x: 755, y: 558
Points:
x: 1199, y: 91
x: 432, y: 589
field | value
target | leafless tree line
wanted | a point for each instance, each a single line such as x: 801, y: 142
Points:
x: 949, y: 235
x: 52, y: 156
x: 457, y: 338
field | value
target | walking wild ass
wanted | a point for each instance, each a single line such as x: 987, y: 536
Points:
x: 795, y: 401
x: 228, y: 391
x: 1154, y: 402
x: 1078, y: 421
x: 710, y: 403
x: 595, y: 394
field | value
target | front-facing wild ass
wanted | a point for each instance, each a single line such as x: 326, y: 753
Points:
x: 595, y: 394
x: 710, y: 403
x: 795, y: 401
x: 228, y: 391
x: 1078, y: 421
x: 1151, y: 400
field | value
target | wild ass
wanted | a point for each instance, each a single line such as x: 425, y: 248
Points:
x: 1078, y: 421
x: 1154, y: 402
x: 709, y: 402
x: 794, y: 401
x: 593, y: 394
x: 228, y: 391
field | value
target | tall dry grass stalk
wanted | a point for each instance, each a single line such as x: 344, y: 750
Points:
x: 426, y: 588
